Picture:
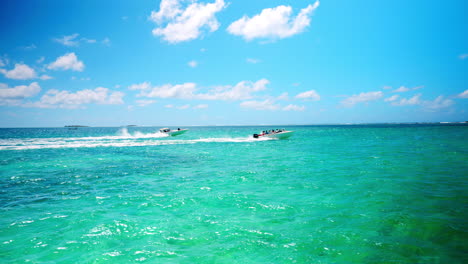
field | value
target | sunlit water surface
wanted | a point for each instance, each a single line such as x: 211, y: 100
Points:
x: 328, y: 194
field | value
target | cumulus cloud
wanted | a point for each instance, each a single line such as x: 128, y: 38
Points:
x: 20, y: 72
x: 439, y: 103
x: 177, y: 24
x: 69, y: 41
x: 68, y: 61
x: 361, y: 98
x: 19, y: 92
x: 310, y: 95
x: 283, y: 96
x: 45, y: 77
x: 403, y: 89
x: 241, y: 91
x: 65, y: 99
x: 392, y: 98
x: 140, y: 86
x: 273, y: 23
x: 463, y: 95
x: 180, y: 91
x: 268, y: 104
x: 415, y: 100
x: 293, y: 107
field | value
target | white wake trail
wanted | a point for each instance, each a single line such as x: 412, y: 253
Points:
x: 123, y: 139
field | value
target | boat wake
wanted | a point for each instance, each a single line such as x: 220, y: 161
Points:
x: 122, y: 139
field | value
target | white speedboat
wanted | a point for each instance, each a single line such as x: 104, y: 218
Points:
x: 172, y: 132
x: 278, y: 134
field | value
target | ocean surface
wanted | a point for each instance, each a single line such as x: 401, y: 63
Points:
x: 328, y: 194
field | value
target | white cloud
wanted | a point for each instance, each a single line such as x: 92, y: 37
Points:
x: 415, y: 100
x: 20, y: 72
x: 143, y: 103
x: 283, y: 96
x: 463, y: 56
x: 68, y: 61
x: 273, y: 23
x: 192, y: 64
x: 180, y: 91
x: 87, y: 40
x: 253, y: 61
x: 241, y: 91
x: 140, y: 86
x: 65, y: 99
x: 201, y: 106
x: 19, y: 92
x: 74, y: 41
x: 177, y: 25
x: 169, y: 106
x: 2, y: 64
x: 438, y: 103
x: 69, y: 41
x: 463, y: 95
x: 311, y: 95
x: 46, y: 77
x: 403, y: 89
x: 392, y: 98
x: 361, y: 98
x: 260, y: 105
x: 292, y: 107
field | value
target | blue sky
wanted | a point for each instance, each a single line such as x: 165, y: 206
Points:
x: 220, y: 62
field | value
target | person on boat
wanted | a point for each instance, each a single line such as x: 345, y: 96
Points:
x: 178, y: 128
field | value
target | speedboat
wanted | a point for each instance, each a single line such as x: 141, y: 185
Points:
x: 170, y: 132
x: 277, y: 134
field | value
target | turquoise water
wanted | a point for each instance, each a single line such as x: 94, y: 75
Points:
x: 329, y: 194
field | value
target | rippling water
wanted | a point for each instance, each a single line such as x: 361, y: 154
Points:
x: 329, y: 194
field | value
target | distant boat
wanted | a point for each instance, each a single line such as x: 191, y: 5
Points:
x: 172, y: 132
x: 278, y: 134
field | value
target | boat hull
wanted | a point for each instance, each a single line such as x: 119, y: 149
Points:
x: 280, y: 135
x: 176, y: 132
